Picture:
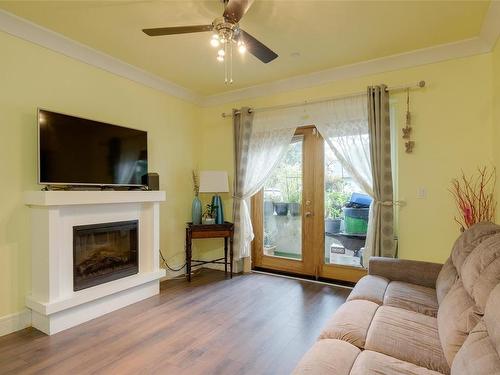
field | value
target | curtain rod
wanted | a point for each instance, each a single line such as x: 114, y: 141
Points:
x: 418, y: 85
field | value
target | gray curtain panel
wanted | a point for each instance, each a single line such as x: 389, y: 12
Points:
x: 382, y: 216
x: 242, y: 127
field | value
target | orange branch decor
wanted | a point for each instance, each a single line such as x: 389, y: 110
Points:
x: 474, y: 197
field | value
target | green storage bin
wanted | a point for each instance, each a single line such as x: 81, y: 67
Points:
x: 356, y: 220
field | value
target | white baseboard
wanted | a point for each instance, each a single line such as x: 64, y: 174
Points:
x: 237, y: 266
x: 15, y: 322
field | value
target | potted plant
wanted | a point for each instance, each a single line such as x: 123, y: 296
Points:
x: 294, y: 202
x: 475, y: 197
x: 268, y: 208
x: 270, y: 196
x: 209, y: 214
x: 334, y: 202
x: 281, y: 208
x: 269, y: 241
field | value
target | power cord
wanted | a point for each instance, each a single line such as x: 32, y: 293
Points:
x: 170, y: 268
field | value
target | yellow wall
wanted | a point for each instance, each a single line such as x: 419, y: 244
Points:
x: 496, y: 115
x: 452, y: 131
x: 31, y: 76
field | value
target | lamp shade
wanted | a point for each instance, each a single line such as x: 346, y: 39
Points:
x: 213, y: 182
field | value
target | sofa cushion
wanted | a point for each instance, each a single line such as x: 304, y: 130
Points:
x: 328, y: 357
x: 477, y: 355
x: 370, y: 288
x: 456, y: 317
x: 446, y: 278
x: 407, y: 335
x: 411, y: 297
x: 492, y: 318
x: 469, y: 239
x: 480, y: 272
x: 351, y: 322
x: 373, y: 363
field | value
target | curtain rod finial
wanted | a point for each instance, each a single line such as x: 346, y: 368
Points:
x: 421, y: 84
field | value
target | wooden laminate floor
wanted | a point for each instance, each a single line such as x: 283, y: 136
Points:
x: 252, y: 324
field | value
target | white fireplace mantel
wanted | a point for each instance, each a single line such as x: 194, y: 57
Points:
x: 55, y: 305
x: 70, y: 198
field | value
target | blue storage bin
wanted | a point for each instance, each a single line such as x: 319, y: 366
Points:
x: 360, y: 199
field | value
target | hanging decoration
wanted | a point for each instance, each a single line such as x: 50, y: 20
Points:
x: 408, y: 129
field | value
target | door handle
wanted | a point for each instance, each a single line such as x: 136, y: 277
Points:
x: 308, y: 213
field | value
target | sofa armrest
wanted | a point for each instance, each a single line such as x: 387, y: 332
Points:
x: 410, y: 271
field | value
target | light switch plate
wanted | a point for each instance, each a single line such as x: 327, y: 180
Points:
x: 422, y: 192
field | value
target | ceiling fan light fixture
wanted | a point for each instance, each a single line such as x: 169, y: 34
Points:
x: 214, y: 42
x: 242, y: 48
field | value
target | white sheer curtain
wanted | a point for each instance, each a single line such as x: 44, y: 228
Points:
x: 262, y: 143
x: 343, y: 123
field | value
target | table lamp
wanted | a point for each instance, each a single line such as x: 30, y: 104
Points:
x: 215, y: 182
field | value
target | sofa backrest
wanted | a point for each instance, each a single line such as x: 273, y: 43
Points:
x: 465, y: 283
x: 480, y: 353
x: 462, y: 248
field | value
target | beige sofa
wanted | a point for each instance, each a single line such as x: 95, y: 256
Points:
x: 409, y: 317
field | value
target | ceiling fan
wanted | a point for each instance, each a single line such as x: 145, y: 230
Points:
x: 226, y: 32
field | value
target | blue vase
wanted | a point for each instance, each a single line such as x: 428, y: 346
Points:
x: 196, y: 211
x: 219, y: 213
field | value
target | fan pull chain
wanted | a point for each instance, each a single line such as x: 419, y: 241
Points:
x: 225, y: 63
x: 231, y: 63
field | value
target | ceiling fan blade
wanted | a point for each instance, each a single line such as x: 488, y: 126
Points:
x: 177, y: 30
x: 258, y: 49
x: 236, y: 9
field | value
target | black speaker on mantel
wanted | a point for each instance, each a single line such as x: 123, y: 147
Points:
x: 152, y: 181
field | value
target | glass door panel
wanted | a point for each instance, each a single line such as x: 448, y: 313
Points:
x: 345, y: 221
x: 282, y: 212
x: 283, y: 205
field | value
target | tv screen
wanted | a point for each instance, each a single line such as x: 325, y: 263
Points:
x: 77, y: 151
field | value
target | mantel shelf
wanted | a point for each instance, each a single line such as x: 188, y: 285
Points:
x: 68, y: 198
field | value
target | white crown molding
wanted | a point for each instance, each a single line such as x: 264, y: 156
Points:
x: 15, y: 322
x: 484, y: 43
x: 24, y: 29
x: 490, y: 30
x: 430, y: 55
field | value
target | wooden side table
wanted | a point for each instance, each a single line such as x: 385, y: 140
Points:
x: 225, y: 231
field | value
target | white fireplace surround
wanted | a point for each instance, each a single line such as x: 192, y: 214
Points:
x: 54, y: 304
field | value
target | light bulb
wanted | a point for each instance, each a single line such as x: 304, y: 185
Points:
x: 221, y: 52
x: 220, y: 58
x: 214, y: 42
x: 242, y: 48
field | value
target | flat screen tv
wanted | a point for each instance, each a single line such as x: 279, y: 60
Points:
x: 77, y: 151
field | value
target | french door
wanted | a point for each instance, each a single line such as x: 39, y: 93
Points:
x: 288, y: 214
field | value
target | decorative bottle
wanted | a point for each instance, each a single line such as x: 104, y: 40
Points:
x: 196, y: 210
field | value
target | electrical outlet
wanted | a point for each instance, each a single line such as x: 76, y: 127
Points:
x: 422, y: 192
